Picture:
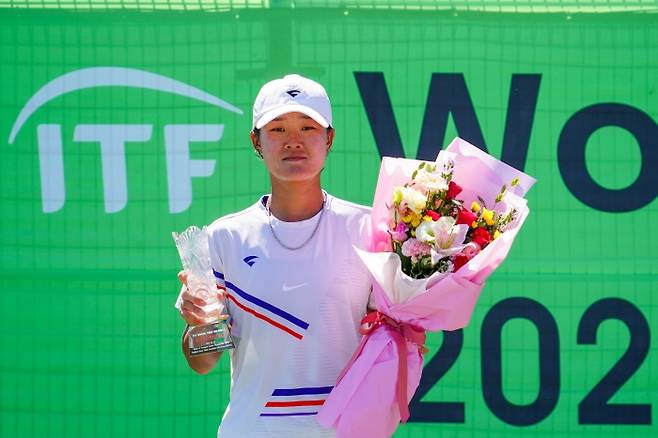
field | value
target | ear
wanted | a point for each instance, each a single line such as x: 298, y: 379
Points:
x: 255, y: 144
x: 330, y: 138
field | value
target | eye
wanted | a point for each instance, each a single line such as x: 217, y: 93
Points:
x: 308, y: 128
x: 277, y: 129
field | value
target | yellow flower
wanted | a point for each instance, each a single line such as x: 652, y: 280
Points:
x: 487, y: 215
x: 426, y: 218
x: 475, y: 207
x: 397, y: 195
x: 474, y: 224
x: 496, y: 234
x: 413, y: 219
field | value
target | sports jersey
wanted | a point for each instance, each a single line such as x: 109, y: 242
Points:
x: 295, y: 313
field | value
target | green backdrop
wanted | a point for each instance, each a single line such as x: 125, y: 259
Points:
x: 560, y: 342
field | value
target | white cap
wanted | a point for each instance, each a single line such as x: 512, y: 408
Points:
x: 292, y: 93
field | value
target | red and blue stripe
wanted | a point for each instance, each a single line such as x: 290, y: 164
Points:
x: 256, y: 307
x: 288, y: 402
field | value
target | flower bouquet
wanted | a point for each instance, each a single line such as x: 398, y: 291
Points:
x: 438, y: 231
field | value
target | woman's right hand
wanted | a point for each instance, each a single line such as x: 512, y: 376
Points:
x: 192, y: 312
x: 193, y: 304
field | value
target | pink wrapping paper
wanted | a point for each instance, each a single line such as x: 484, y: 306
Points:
x: 365, y: 401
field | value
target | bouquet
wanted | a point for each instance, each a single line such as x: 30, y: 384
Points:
x: 438, y: 231
x: 432, y: 231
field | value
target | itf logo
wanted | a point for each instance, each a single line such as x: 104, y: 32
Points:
x: 113, y: 137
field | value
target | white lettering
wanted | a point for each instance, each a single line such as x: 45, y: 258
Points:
x: 112, y: 139
x: 180, y: 167
x: 51, y: 167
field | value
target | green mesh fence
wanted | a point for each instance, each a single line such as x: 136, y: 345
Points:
x: 90, y: 338
x: 537, y: 6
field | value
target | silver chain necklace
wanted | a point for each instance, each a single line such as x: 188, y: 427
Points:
x: 292, y: 248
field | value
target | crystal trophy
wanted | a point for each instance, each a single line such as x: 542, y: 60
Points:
x: 213, y: 334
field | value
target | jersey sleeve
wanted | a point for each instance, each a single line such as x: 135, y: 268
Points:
x: 214, y: 252
x: 360, y: 230
x: 364, y: 243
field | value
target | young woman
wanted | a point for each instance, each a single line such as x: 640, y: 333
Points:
x: 295, y: 288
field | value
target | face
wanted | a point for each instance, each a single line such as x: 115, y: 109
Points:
x: 294, y: 147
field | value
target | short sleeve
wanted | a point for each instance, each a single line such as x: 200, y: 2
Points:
x: 364, y: 243
x: 365, y: 232
x: 359, y: 230
x: 214, y: 251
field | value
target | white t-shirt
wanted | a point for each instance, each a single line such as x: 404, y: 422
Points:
x: 295, y: 313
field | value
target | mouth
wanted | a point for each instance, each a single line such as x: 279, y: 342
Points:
x: 294, y: 159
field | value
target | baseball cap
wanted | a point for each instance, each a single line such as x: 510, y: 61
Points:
x: 292, y: 93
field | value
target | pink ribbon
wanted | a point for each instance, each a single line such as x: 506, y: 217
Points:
x: 401, y: 333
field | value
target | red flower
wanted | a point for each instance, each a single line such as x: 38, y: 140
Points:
x: 481, y: 237
x: 465, y: 217
x: 433, y: 214
x: 459, y: 261
x: 453, y: 190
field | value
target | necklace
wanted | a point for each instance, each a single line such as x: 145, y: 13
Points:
x: 293, y: 248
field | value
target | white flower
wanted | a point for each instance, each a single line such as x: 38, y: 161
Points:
x: 448, y: 237
x: 425, y: 232
x: 430, y: 181
x: 415, y: 200
x: 445, y: 237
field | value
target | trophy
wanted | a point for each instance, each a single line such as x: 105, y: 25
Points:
x: 213, y: 334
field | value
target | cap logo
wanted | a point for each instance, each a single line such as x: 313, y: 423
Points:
x: 293, y: 93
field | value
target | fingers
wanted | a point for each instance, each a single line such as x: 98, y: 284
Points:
x: 192, y: 314
x: 193, y: 302
x: 190, y: 318
x: 192, y: 298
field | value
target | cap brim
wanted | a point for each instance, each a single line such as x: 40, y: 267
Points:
x: 285, y: 109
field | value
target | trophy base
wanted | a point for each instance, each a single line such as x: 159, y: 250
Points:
x: 204, y: 339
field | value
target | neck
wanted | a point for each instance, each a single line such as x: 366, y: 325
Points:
x: 292, y: 202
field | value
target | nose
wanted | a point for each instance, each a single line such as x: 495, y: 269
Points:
x: 293, y: 141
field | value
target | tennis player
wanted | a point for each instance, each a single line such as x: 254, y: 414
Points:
x: 295, y: 287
